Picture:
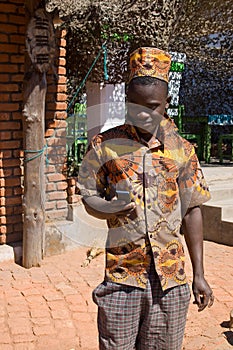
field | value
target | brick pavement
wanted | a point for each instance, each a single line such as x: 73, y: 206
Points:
x: 50, y: 307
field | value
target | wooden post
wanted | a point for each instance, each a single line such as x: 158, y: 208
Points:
x: 37, y: 62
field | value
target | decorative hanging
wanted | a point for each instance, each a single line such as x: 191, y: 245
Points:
x: 40, y: 41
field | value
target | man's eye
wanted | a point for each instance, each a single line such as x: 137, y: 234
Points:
x: 153, y: 107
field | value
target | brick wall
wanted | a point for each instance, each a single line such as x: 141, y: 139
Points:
x: 12, y: 50
x: 12, y: 31
x: 55, y: 169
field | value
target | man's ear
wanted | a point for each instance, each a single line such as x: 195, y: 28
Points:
x: 168, y: 101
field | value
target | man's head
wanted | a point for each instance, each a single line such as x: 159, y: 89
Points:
x: 147, y: 91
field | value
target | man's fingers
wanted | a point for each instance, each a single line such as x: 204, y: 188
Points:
x: 204, y: 301
x: 211, y: 301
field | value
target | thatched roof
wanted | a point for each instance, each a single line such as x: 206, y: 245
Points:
x: 200, y: 28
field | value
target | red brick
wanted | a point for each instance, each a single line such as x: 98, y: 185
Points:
x: 8, y: 192
x: 3, y: 230
x: 62, y: 88
x: 16, y: 19
x: 2, y: 201
x: 62, y: 185
x: 17, y: 191
x: 61, y: 204
x: 16, y: 78
x: 9, y: 87
x: 4, y: 97
x: 49, y: 132
x: 62, y: 79
x: 9, y: 107
x: 56, y: 177
x: 17, y: 115
x: 7, y: 48
x: 73, y: 199
x: 4, y: 58
x: 17, y: 210
x: 21, y: 29
x: 2, y: 220
x: 50, y: 169
x: 8, y: 8
x: 61, y: 61
x: 2, y: 210
x: 7, y: 154
x: 62, y: 42
x: 9, y: 144
x: 17, y: 135
x: 18, y: 172
x: 50, y: 205
x: 10, y: 126
x: 57, y: 106
x: 71, y: 191
x: 56, y: 124
x: 61, y: 115
x: 3, y: 38
x: 57, y: 214
x: 2, y: 241
x: 5, y: 116
x: 4, y: 78
x: 14, y: 200
x: 5, y: 135
x: 61, y: 97
x: 61, y: 70
x: 57, y: 195
x: 12, y: 181
x: 3, y: 17
x: 11, y: 162
x: 16, y: 38
x: 50, y: 187
x: 62, y: 33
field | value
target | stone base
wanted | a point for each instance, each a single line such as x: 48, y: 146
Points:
x: 6, y: 253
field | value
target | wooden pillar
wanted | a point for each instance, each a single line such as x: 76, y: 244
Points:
x: 39, y: 37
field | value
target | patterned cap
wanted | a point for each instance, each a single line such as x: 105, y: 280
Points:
x: 149, y: 61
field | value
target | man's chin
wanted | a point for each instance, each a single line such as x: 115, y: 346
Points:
x: 145, y: 130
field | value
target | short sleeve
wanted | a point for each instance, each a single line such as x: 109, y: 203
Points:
x: 192, y: 184
x: 91, y: 178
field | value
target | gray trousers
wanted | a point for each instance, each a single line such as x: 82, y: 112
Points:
x: 132, y: 318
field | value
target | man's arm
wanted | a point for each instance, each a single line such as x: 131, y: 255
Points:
x: 102, y: 209
x: 193, y: 232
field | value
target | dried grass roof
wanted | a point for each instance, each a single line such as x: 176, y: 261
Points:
x: 200, y: 28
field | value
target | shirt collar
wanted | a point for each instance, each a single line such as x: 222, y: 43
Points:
x: 158, y: 139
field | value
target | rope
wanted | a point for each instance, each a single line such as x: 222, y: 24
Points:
x: 38, y: 154
x: 104, y: 49
x: 106, y: 77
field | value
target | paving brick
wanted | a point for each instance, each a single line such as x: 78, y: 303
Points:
x: 6, y: 346
x: 53, y: 304
x: 44, y: 330
x: 24, y: 346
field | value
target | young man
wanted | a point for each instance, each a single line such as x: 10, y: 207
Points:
x: 143, y: 301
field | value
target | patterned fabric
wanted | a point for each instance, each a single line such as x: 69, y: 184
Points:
x: 149, y: 61
x: 164, y: 179
x: 132, y: 318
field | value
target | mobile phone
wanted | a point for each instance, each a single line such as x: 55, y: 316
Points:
x: 123, y: 196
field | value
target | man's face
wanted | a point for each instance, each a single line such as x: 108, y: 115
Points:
x: 146, y: 106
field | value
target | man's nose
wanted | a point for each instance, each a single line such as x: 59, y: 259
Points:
x: 143, y: 114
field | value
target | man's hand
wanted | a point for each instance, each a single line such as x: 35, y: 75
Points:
x: 202, y: 292
x: 102, y: 209
x: 192, y: 229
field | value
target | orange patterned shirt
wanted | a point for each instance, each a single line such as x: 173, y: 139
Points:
x: 164, y: 179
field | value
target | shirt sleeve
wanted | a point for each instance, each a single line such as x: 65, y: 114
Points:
x: 91, y: 178
x: 192, y: 184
